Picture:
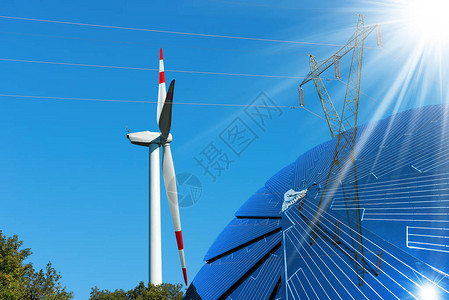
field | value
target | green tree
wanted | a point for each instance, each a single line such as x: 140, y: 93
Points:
x: 19, y: 280
x: 164, y: 291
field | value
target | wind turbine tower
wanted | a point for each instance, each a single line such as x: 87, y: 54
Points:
x: 154, y: 140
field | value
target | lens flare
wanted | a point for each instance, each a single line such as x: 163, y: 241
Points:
x: 427, y: 19
x: 428, y: 292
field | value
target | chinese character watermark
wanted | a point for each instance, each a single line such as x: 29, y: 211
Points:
x: 238, y: 136
x: 218, y: 155
x: 213, y: 161
x: 262, y: 109
x: 189, y: 189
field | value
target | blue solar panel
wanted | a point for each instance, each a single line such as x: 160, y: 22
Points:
x: 219, y: 277
x: 240, y: 232
x: 262, y: 204
x: 392, y: 243
x: 263, y: 282
x: 281, y: 182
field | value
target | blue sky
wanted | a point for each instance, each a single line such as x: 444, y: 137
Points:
x: 73, y: 187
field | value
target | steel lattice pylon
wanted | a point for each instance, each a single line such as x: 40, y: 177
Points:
x: 332, y: 117
x: 345, y: 129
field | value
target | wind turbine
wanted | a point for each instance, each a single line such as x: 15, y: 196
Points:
x: 154, y: 140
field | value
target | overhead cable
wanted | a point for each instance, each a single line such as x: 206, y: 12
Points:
x: 145, y: 43
x: 154, y: 102
x: 170, y: 32
x: 148, y: 69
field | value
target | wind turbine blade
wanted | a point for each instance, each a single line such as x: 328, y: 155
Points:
x: 168, y: 171
x: 165, y: 117
x: 162, y: 91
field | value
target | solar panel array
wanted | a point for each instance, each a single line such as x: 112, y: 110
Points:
x: 402, y: 175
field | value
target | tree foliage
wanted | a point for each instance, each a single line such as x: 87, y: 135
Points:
x: 164, y: 291
x: 19, y: 280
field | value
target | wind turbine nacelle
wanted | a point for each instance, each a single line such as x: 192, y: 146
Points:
x: 145, y: 138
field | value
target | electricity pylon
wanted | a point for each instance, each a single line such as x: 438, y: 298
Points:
x: 345, y: 129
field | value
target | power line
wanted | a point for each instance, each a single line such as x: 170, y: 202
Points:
x: 272, y: 6
x: 313, y: 113
x: 170, y: 32
x: 143, y: 101
x: 154, y: 102
x: 371, y: 98
x: 149, y: 69
x: 143, y: 43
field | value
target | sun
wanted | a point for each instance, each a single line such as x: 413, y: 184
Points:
x: 428, y: 292
x: 415, y: 52
x: 427, y: 19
